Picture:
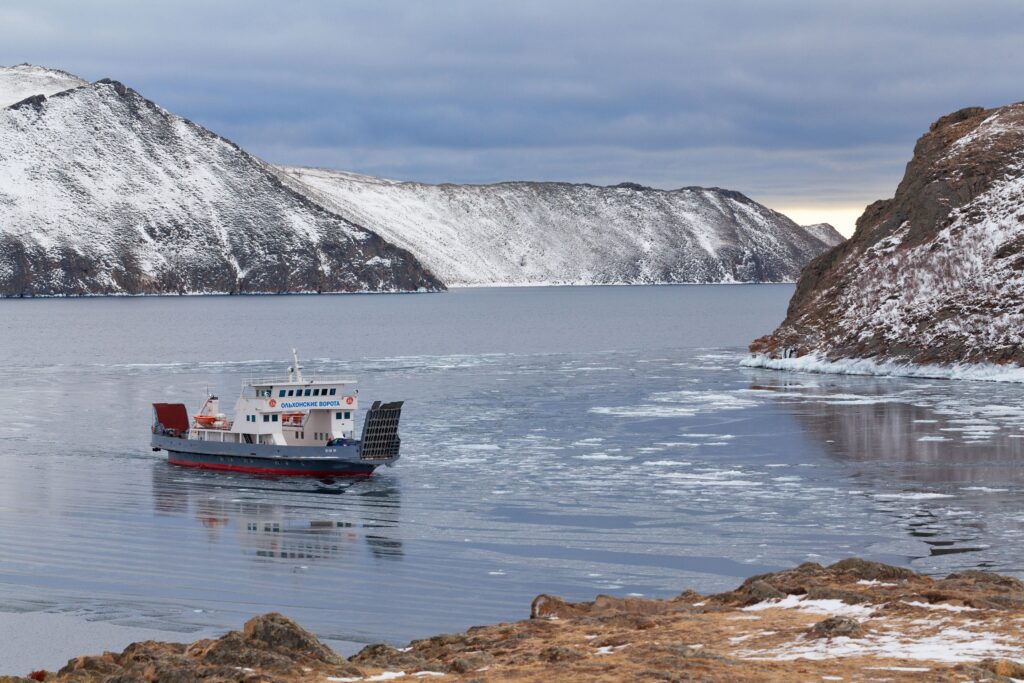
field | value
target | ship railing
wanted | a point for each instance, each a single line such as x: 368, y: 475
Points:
x: 306, y: 379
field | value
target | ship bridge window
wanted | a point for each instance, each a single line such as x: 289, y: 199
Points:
x: 307, y: 392
x: 291, y: 392
x: 333, y: 390
x: 280, y: 394
x: 316, y: 392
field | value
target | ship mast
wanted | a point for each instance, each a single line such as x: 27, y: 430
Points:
x: 295, y: 371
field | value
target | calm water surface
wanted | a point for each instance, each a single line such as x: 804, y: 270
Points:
x: 572, y: 441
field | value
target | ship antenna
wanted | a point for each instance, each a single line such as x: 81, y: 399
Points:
x: 296, y: 368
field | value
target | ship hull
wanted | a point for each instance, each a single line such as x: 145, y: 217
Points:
x: 266, y: 459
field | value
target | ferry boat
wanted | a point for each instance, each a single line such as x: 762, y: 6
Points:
x: 282, y: 426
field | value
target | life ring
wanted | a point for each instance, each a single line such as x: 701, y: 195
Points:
x: 349, y: 400
x: 272, y: 403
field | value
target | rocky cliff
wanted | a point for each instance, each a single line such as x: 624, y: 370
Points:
x: 104, y: 192
x: 933, y: 276
x: 532, y: 233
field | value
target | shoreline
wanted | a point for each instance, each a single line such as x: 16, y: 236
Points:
x: 849, y: 620
x: 446, y: 289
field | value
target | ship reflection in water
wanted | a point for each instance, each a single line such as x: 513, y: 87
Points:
x: 283, y: 518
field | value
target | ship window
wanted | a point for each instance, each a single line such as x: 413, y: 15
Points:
x: 337, y: 416
x: 333, y: 390
x: 316, y: 392
x: 273, y: 418
x: 307, y: 392
x: 266, y: 418
x: 280, y: 393
x: 347, y: 414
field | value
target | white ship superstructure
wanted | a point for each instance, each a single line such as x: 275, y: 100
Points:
x: 283, y: 411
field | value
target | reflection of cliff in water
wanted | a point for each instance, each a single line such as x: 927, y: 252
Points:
x: 281, y: 518
x: 935, y: 443
x: 942, y: 460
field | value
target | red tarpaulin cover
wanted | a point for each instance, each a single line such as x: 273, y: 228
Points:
x: 172, y: 416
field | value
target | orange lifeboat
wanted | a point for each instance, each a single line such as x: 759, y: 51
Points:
x: 206, y: 420
x: 292, y: 418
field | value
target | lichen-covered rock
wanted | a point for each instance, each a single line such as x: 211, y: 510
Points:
x: 835, y: 626
x: 382, y: 656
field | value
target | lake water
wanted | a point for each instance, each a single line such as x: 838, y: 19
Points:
x: 572, y: 440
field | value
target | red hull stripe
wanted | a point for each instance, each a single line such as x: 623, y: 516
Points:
x: 267, y: 470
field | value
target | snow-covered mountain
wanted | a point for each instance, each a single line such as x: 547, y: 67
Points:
x: 933, y: 276
x: 532, y: 233
x: 103, y: 191
x: 25, y: 80
x: 825, y: 232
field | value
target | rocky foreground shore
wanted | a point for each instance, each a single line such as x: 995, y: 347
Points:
x: 852, y: 621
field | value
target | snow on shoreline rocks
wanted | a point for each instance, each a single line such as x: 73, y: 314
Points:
x: 817, y: 363
x: 934, y: 277
x: 854, y: 619
x: 549, y: 233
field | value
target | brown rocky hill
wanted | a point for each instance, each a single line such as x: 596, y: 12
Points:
x: 934, y: 275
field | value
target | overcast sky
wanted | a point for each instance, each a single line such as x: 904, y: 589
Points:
x: 810, y: 107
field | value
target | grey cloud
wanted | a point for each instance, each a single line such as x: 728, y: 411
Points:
x: 798, y: 101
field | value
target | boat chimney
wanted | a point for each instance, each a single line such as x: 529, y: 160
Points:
x: 295, y: 371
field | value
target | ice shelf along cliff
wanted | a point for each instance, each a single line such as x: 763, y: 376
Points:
x: 932, y: 281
